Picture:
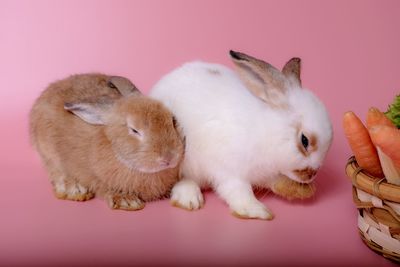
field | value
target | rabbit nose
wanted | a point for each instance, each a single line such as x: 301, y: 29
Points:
x: 164, y: 162
x: 166, y: 159
x: 169, y: 160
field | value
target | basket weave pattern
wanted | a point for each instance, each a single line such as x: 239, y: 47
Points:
x: 378, y: 203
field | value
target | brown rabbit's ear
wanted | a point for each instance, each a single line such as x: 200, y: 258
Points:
x: 93, y: 111
x: 261, y: 78
x: 292, y: 70
x: 123, y: 85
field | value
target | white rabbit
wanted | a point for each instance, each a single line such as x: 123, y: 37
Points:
x: 256, y: 127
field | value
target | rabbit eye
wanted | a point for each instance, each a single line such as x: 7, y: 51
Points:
x: 133, y: 131
x: 111, y: 85
x: 174, y: 121
x: 304, y: 141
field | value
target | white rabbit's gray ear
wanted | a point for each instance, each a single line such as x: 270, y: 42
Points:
x: 93, y: 111
x: 124, y: 86
x: 261, y: 78
x: 292, y: 70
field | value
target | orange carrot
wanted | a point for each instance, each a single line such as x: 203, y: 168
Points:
x: 387, y: 139
x: 361, y: 144
x: 375, y: 117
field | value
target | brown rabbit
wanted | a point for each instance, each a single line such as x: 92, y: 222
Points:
x: 93, y: 141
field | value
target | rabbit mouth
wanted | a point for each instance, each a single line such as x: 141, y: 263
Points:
x: 157, y: 166
x: 302, y: 176
x: 150, y: 169
x: 153, y: 169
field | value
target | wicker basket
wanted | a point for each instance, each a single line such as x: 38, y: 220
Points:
x: 378, y: 203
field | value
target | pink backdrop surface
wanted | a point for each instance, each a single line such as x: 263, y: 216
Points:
x: 350, y: 53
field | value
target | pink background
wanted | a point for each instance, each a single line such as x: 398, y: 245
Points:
x: 350, y: 52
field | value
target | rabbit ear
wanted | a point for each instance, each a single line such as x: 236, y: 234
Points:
x: 123, y: 85
x: 93, y: 111
x: 261, y: 78
x: 292, y: 70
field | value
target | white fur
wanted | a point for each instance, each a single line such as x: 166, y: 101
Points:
x: 60, y: 188
x: 187, y: 194
x: 235, y: 140
x: 71, y: 191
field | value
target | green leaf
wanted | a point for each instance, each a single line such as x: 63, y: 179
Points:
x: 393, y: 112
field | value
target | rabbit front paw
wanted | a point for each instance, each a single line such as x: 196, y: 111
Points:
x: 72, y: 191
x: 187, y: 195
x: 252, y: 210
x: 125, y: 202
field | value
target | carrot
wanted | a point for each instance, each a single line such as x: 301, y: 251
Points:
x: 387, y: 138
x: 375, y: 117
x: 361, y: 145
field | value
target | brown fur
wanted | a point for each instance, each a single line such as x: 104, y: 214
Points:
x: 75, y: 197
x: 312, y: 142
x: 269, y: 84
x: 312, y: 146
x: 264, y: 80
x: 305, y: 174
x: 178, y: 205
x: 237, y: 215
x: 290, y: 189
x: 292, y: 69
x: 269, y: 75
x: 123, y: 202
x: 103, y: 159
